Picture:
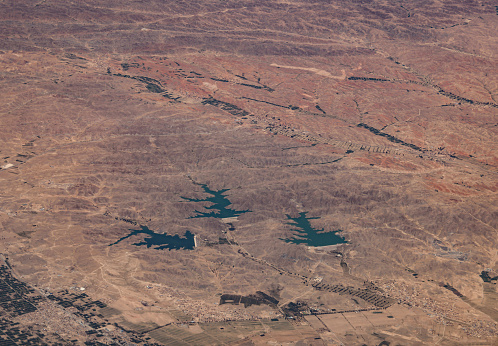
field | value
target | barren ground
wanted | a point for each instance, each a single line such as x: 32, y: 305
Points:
x: 377, y: 119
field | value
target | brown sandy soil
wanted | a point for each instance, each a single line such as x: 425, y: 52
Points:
x: 379, y: 119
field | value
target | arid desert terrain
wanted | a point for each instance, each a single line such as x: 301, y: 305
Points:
x: 220, y: 172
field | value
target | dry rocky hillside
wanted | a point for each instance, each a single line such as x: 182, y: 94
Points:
x: 248, y: 172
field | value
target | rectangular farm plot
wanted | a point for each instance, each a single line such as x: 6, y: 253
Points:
x: 202, y: 339
x: 336, y: 322
x: 171, y: 335
x: 247, y: 326
x: 139, y: 328
x: 314, y: 322
x: 176, y: 332
x: 180, y: 316
x: 222, y: 331
x: 357, y: 320
x: 380, y: 318
x: 279, y: 325
x: 178, y: 343
x: 210, y: 333
x: 306, y: 330
x: 108, y: 312
x: 165, y: 338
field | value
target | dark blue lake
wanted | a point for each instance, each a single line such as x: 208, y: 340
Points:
x: 306, y: 234
x: 219, y: 209
x: 162, y: 240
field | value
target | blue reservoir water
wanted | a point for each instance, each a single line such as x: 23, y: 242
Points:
x: 162, y: 240
x: 219, y: 209
x: 306, y: 234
